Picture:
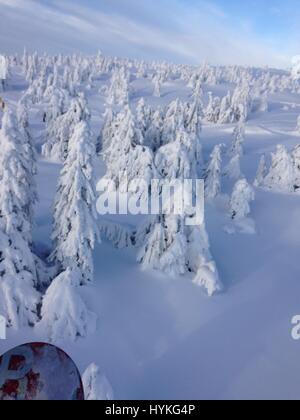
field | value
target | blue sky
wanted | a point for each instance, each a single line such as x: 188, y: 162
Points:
x: 255, y: 32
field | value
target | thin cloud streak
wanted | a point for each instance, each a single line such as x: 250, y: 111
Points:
x: 180, y: 33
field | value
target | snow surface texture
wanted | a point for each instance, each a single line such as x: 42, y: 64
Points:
x: 159, y: 336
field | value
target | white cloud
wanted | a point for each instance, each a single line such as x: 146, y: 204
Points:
x: 179, y: 33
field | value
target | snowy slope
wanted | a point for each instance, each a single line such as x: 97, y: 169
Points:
x: 160, y: 338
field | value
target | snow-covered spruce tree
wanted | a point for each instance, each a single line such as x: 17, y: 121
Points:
x: 212, y: 112
x: 154, y: 134
x: 261, y: 172
x: 198, y: 91
x: 238, y: 140
x: 242, y: 102
x: 165, y: 248
x: 213, y: 174
x: 226, y: 112
x: 57, y: 104
x: 243, y: 194
x: 126, y: 157
x: 193, y: 126
x: 108, y: 130
x: 119, y: 93
x: 200, y: 261
x: 296, y: 167
x: 64, y: 313
x: 60, y: 130
x: 143, y: 117
x: 75, y: 219
x: 281, y: 174
x: 174, y: 118
x: 18, y: 277
x: 96, y: 386
x: 29, y: 156
x: 157, y: 86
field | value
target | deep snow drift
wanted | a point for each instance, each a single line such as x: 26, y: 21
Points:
x: 159, y: 336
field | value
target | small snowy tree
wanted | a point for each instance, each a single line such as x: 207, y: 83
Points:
x: 264, y: 103
x: 213, y: 174
x: 296, y: 167
x: 119, y: 92
x: 175, y: 249
x: 200, y: 261
x: 64, y: 313
x: 165, y: 247
x: 157, y: 86
x: 212, y: 112
x: 96, y: 386
x: 281, y: 173
x: 240, y: 201
x: 261, y: 172
x: 75, y: 227
x: 238, y: 140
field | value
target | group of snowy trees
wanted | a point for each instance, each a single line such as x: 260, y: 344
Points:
x: 283, y: 175
x: 74, y: 234
x: 243, y: 193
x: 231, y: 108
x: 162, y: 145
x: 147, y: 144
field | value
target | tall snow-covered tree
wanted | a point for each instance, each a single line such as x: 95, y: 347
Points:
x: 226, y: 112
x: 213, y: 174
x: 261, y: 172
x: 60, y: 130
x: 143, y: 117
x: 174, y: 119
x: 242, y: 102
x: 127, y: 159
x: 119, y: 91
x: 154, y: 134
x: 18, y: 276
x: 281, y: 174
x: 157, y: 86
x: 75, y: 228
x: 212, y: 112
x: 238, y: 140
x: 29, y: 156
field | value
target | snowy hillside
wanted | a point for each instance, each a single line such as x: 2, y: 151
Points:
x: 156, y: 309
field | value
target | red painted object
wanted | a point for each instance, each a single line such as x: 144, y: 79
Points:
x: 39, y: 371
